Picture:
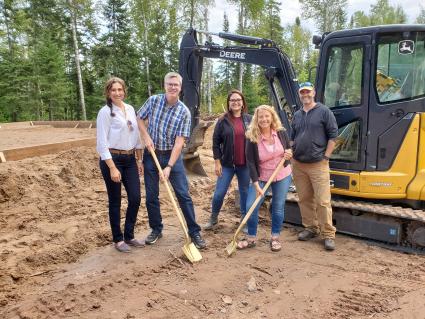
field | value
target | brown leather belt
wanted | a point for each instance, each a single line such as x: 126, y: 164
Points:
x: 115, y: 151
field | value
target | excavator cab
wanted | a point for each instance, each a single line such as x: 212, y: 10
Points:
x: 373, y: 80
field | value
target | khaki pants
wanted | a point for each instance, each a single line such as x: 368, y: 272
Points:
x: 312, y: 183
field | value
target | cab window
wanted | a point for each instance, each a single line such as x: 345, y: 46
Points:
x: 400, y: 73
x: 344, y: 74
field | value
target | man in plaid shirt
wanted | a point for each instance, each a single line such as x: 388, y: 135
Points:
x: 164, y: 123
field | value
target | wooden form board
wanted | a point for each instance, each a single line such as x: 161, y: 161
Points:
x: 17, y: 154
x: 67, y: 124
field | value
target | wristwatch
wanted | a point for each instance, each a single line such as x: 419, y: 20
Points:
x: 170, y: 166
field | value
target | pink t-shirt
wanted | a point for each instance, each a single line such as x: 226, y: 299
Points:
x: 270, y: 156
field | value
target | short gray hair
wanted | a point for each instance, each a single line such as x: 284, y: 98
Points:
x: 171, y: 75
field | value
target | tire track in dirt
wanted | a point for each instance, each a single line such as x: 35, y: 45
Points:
x: 367, y: 299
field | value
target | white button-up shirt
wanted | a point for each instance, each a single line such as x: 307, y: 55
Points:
x: 114, y: 132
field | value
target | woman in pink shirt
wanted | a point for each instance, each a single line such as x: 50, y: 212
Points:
x: 267, y: 144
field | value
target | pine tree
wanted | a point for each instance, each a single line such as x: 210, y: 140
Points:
x: 329, y: 15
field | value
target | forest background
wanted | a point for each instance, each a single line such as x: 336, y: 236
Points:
x: 55, y: 55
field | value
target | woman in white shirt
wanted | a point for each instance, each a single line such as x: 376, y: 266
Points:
x: 120, y: 151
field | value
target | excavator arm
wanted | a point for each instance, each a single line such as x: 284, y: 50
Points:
x: 257, y: 51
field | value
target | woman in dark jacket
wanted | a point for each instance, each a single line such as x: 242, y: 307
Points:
x: 267, y: 145
x: 229, y: 154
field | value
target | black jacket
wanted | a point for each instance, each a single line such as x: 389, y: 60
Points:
x: 223, y: 138
x: 311, y: 132
x: 253, y: 158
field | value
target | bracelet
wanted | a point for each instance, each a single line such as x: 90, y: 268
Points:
x: 170, y: 166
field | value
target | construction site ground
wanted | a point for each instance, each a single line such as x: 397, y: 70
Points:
x: 57, y: 260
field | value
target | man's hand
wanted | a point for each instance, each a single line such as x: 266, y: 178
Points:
x: 148, y: 142
x: 166, y: 172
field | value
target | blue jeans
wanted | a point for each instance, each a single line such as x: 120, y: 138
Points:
x: 127, y: 166
x: 222, y: 185
x: 180, y: 185
x: 279, y: 190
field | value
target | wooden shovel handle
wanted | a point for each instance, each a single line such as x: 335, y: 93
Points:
x: 264, y: 189
x: 170, y: 194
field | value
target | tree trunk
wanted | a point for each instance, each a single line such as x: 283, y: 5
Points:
x: 77, y: 59
x: 145, y: 48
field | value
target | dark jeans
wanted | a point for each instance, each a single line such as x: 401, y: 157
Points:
x: 223, y: 182
x: 181, y: 188
x: 127, y: 166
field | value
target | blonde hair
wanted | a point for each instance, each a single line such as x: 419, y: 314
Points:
x: 171, y: 75
x: 253, y: 132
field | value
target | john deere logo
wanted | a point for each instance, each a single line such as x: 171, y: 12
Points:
x: 406, y: 47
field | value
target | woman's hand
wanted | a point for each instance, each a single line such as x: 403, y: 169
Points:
x: 288, y: 154
x: 115, y: 174
x: 258, y: 189
x: 218, y: 168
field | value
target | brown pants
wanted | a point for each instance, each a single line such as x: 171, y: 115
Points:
x: 312, y: 183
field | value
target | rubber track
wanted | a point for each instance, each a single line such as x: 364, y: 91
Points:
x: 381, y: 209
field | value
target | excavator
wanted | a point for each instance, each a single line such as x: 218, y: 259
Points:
x: 373, y: 80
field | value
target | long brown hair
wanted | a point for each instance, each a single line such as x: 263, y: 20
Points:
x: 108, y: 85
x: 244, y: 106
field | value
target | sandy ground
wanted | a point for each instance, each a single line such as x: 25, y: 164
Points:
x: 14, y: 135
x: 56, y: 259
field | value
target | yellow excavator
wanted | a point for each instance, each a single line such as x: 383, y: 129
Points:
x: 373, y: 80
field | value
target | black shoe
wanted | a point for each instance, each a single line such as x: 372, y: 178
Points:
x: 306, y: 235
x: 211, y: 222
x: 329, y: 244
x: 153, y: 237
x: 198, y: 241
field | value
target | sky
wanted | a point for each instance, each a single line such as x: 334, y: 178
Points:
x: 291, y: 9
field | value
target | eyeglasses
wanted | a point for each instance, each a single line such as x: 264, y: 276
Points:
x: 172, y: 85
x: 235, y: 100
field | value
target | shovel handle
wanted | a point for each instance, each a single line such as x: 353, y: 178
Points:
x: 170, y: 194
x: 257, y: 200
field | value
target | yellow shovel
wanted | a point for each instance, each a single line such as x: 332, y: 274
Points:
x: 189, y: 249
x: 231, y: 248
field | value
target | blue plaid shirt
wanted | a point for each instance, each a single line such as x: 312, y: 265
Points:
x: 165, y: 122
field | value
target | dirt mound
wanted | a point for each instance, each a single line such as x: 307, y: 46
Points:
x: 52, y: 210
x: 9, y: 188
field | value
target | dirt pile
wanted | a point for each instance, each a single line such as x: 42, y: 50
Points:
x: 52, y: 210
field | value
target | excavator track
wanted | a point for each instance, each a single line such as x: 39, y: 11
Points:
x: 395, y: 227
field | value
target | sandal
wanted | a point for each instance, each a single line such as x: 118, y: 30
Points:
x: 246, y: 243
x: 275, y: 244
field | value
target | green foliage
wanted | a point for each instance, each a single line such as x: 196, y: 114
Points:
x: 380, y: 13
x: 138, y: 40
x: 329, y: 15
x: 421, y: 17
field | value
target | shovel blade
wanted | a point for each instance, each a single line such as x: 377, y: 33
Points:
x: 192, y: 253
x: 231, y: 248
